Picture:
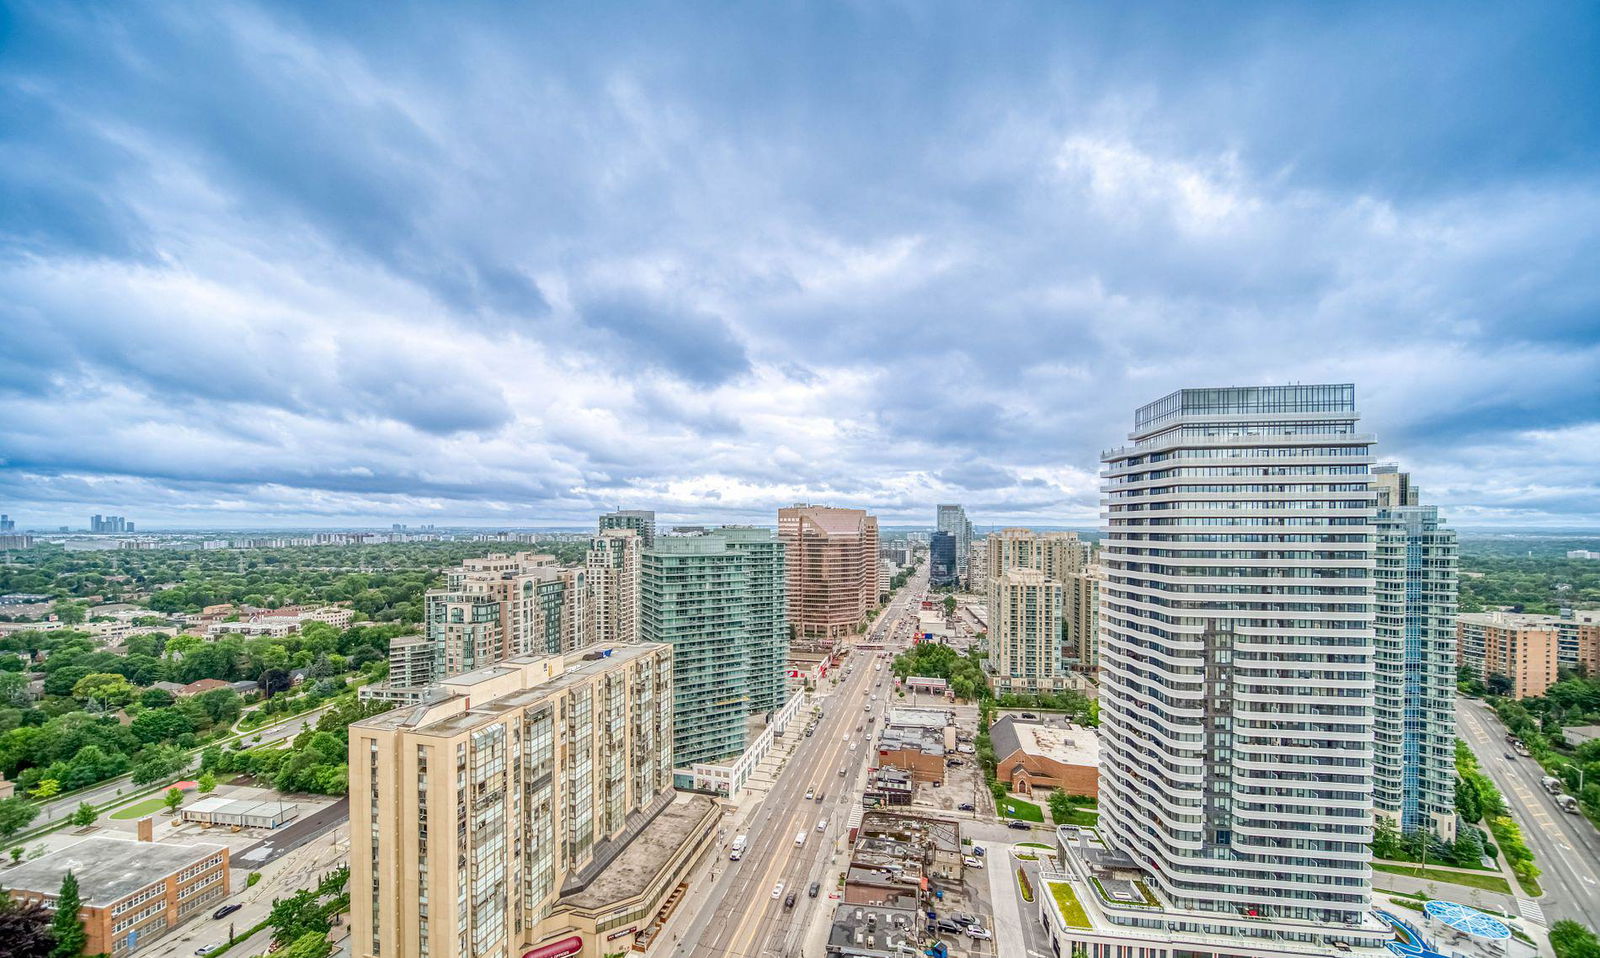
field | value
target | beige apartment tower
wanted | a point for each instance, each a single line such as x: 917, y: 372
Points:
x: 531, y: 805
x: 1062, y: 558
x: 1522, y: 648
x: 613, y: 567
x: 832, y: 570
x: 1025, y: 631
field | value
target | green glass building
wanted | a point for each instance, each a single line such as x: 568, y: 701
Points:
x: 720, y: 601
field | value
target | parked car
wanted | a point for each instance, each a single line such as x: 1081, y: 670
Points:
x: 816, y: 887
x: 966, y: 807
x: 978, y: 850
x: 1029, y: 715
x: 972, y: 862
x: 961, y: 918
x: 946, y: 925
x: 226, y: 910
x: 978, y: 932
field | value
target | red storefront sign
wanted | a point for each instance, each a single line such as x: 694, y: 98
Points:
x: 557, y: 949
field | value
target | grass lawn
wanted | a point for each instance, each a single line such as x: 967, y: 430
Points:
x: 141, y: 809
x: 1086, y: 817
x: 1486, y: 882
x: 1067, y: 900
x: 1020, y: 809
x: 1035, y: 845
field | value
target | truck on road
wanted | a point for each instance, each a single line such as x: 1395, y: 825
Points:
x: 737, y: 852
x: 1568, y: 804
x: 1551, y: 784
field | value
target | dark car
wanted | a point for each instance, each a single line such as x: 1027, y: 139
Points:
x: 946, y: 925
x: 788, y: 901
x: 1029, y: 715
x: 1509, y: 757
x: 816, y: 887
x: 226, y: 910
x: 966, y: 807
x: 1024, y: 826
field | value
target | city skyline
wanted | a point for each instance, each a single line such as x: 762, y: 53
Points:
x: 528, y: 265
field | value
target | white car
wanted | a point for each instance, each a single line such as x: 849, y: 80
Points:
x: 810, y: 792
x: 978, y: 932
x: 971, y: 862
x: 777, y: 890
x: 852, y: 746
x: 822, y: 826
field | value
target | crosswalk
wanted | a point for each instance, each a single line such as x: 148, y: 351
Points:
x: 1529, y: 909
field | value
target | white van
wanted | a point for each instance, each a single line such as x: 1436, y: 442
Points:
x: 799, y: 838
x: 737, y: 852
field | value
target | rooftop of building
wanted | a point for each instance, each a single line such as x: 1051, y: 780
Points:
x: 907, y: 717
x: 910, y: 737
x: 1069, y: 746
x: 571, y: 669
x: 875, y: 929
x: 944, y: 834
x: 108, y: 869
x: 648, y: 850
x: 1248, y: 400
x: 1125, y: 898
x: 1511, y: 620
x: 711, y: 541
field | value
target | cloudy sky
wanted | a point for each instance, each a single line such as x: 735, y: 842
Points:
x: 515, y: 264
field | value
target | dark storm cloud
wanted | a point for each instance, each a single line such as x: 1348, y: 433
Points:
x: 512, y: 261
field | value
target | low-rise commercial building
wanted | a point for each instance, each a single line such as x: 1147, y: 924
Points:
x: 133, y: 893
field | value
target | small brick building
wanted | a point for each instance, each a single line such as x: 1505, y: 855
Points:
x: 1031, y: 756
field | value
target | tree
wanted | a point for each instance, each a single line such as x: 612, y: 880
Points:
x: 49, y: 788
x: 155, y: 698
x: 24, y: 928
x: 67, y: 925
x: 309, y: 945
x: 949, y: 605
x: 69, y: 612
x: 1499, y: 685
x: 1467, y: 850
x: 1060, y: 808
x: 15, y: 814
x: 84, y: 816
x: 296, y: 916
x: 158, y: 762
x: 173, y: 800
x: 107, y: 689
x: 273, y: 681
x: 1570, y: 939
x: 160, y: 725
x: 207, y: 782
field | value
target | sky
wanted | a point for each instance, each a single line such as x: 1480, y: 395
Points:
x: 343, y: 264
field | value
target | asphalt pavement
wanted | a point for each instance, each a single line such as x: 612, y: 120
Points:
x: 740, y: 915
x: 1565, y: 846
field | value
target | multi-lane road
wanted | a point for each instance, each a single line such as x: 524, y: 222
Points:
x: 1566, y: 847
x: 111, y: 788
x: 741, y: 916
